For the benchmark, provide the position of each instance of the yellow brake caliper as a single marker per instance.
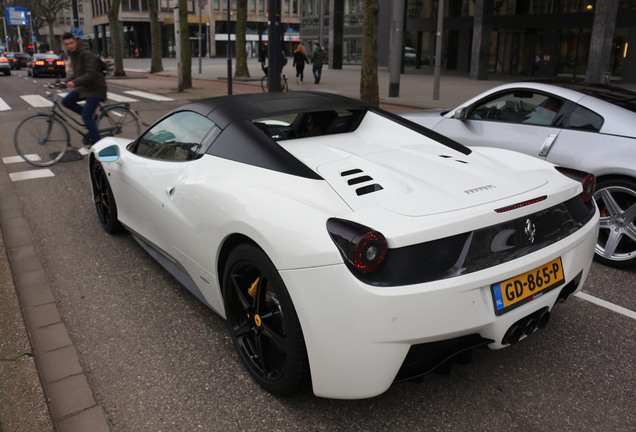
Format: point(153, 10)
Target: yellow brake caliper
point(252, 292)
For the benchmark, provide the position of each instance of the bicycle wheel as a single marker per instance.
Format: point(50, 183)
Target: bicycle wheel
point(41, 140)
point(119, 121)
point(283, 84)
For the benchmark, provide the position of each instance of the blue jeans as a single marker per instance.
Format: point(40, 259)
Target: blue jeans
point(87, 112)
point(317, 73)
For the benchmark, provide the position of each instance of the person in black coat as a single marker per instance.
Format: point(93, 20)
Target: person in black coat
point(300, 59)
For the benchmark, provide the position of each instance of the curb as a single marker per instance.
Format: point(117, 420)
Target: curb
point(71, 402)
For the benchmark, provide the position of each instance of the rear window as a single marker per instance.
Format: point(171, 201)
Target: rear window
point(306, 124)
point(619, 96)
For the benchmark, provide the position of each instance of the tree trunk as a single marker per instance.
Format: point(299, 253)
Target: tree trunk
point(52, 41)
point(241, 53)
point(116, 38)
point(155, 38)
point(369, 89)
point(186, 53)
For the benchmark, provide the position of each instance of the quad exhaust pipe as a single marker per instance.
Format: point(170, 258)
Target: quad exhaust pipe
point(527, 325)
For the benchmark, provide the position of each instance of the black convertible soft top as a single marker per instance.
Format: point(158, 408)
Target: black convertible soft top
point(224, 110)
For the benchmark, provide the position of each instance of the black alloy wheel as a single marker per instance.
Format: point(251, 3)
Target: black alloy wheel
point(263, 322)
point(104, 199)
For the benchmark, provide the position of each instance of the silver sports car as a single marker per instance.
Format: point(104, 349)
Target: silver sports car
point(583, 126)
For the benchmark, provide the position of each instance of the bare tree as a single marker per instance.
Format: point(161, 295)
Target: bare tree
point(48, 11)
point(241, 53)
point(186, 53)
point(155, 38)
point(369, 88)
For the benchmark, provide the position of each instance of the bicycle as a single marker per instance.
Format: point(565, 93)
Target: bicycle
point(43, 139)
point(283, 83)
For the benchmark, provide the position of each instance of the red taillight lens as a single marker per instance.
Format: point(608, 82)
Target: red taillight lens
point(60, 62)
point(39, 63)
point(588, 181)
point(3, 60)
point(362, 248)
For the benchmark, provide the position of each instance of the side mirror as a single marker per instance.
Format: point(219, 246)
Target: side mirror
point(108, 154)
point(460, 114)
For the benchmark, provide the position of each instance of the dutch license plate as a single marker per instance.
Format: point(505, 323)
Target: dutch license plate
point(51, 68)
point(526, 287)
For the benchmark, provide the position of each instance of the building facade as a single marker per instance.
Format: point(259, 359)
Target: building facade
point(208, 21)
point(538, 38)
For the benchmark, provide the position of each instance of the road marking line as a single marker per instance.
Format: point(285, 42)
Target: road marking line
point(4, 106)
point(120, 98)
point(611, 306)
point(32, 174)
point(37, 101)
point(12, 159)
point(148, 95)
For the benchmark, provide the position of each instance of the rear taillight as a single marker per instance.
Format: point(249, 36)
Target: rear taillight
point(587, 180)
point(60, 62)
point(40, 63)
point(362, 248)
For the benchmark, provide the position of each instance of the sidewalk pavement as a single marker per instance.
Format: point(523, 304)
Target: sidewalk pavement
point(416, 87)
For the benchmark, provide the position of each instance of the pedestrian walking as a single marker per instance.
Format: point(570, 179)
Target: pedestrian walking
point(300, 58)
point(317, 59)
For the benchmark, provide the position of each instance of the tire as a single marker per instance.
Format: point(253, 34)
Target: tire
point(616, 244)
point(7, 73)
point(41, 140)
point(104, 199)
point(119, 121)
point(265, 85)
point(263, 322)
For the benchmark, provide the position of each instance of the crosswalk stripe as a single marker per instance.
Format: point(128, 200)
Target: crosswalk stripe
point(12, 159)
point(150, 96)
point(4, 106)
point(31, 174)
point(37, 101)
point(120, 98)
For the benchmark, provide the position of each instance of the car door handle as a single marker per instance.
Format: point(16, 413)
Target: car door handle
point(170, 191)
point(547, 144)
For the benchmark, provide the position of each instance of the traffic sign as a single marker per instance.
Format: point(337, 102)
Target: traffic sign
point(17, 16)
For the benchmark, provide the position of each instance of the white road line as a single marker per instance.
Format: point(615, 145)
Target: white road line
point(37, 101)
point(12, 159)
point(32, 174)
point(4, 106)
point(148, 95)
point(120, 98)
point(611, 306)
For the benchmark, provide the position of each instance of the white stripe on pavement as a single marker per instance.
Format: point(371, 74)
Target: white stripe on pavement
point(120, 98)
point(4, 106)
point(148, 95)
point(12, 159)
point(37, 101)
point(32, 174)
point(611, 306)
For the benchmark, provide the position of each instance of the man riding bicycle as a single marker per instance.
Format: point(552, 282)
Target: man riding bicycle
point(87, 83)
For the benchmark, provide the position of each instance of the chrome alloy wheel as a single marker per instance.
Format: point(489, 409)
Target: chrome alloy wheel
point(616, 245)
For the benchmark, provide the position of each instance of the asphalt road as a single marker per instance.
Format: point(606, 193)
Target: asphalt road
point(157, 360)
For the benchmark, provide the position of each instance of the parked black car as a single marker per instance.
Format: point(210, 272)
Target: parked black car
point(18, 60)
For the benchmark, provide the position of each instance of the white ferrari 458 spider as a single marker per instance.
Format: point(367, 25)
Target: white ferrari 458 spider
point(347, 248)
